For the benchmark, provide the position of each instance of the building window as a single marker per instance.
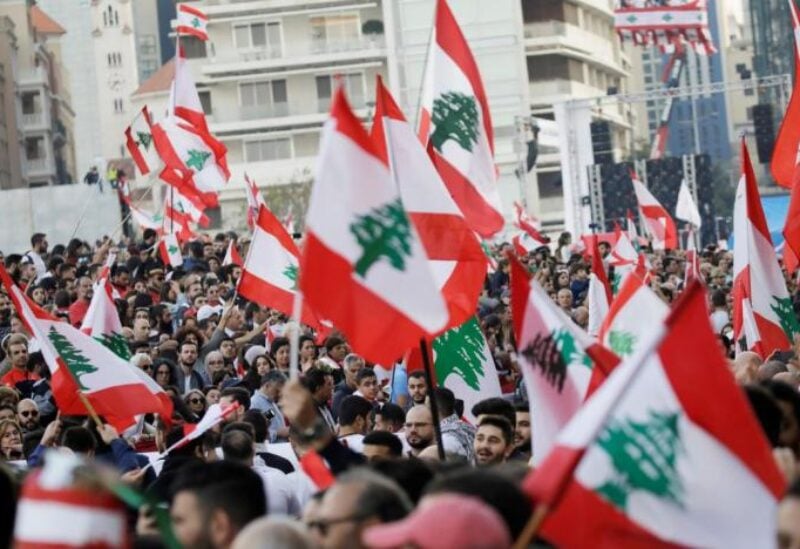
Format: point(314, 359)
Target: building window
point(148, 67)
point(118, 106)
point(268, 149)
point(110, 17)
point(264, 99)
point(193, 47)
point(34, 148)
point(148, 45)
point(114, 59)
point(353, 86)
point(264, 36)
point(205, 100)
point(334, 31)
point(554, 67)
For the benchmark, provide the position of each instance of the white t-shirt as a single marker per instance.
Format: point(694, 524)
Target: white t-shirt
point(280, 492)
point(719, 319)
point(355, 442)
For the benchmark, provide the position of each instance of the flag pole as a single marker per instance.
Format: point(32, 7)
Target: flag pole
point(90, 410)
point(531, 527)
point(437, 428)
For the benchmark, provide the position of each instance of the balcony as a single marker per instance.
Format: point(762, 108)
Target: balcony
point(310, 52)
point(39, 166)
point(33, 77)
point(32, 120)
point(558, 37)
point(279, 115)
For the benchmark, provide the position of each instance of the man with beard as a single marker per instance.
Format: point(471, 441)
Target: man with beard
point(522, 434)
point(78, 309)
point(417, 389)
point(494, 441)
point(419, 429)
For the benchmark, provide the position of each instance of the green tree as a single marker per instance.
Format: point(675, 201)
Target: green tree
point(197, 159)
point(783, 308)
point(116, 343)
point(644, 456)
point(383, 233)
point(621, 342)
point(76, 363)
point(291, 272)
point(460, 351)
point(455, 116)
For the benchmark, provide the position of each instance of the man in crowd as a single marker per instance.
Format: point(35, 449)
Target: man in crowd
point(457, 436)
point(320, 383)
point(78, 309)
point(367, 384)
point(354, 415)
point(188, 377)
point(419, 429)
point(380, 445)
point(494, 441)
point(37, 253)
point(352, 365)
point(522, 433)
point(266, 399)
point(417, 389)
point(17, 346)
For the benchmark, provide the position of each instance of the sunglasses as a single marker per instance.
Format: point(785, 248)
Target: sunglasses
point(195, 400)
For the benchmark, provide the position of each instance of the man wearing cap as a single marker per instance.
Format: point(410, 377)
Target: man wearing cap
point(78, 309)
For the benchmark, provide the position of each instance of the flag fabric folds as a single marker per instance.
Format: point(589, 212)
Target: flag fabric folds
point(363, 266)
point(660, 225)
point(191, 22)
point(139, 142)
point(599, 298)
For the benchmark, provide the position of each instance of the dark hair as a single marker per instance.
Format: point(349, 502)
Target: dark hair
point(363, 374)
point(184, 343)
point(257, 420)
point(353, 407)
point(237, 444)
point(498, 492)
point(496, 406)
point(522, 407)
point(238, 394)
point(314, 378)
point(767, 412)
point(785, 393)
point(276, 344)
point(78, 439)
point(387, 439)
point(274, 376)
point(392, 413)
point(333, 341)
point(233, 488)
point(502, 424)
point(36, 238)
point(445, 401)
point(412, 475)
point(417, 374)
point(380, 496)
point(719, 298)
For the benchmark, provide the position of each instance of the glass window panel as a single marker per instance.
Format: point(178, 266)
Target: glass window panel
point(242, 36)
point(279, 94)
point(259, 34)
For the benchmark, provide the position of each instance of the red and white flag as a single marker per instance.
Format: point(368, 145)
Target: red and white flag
point(184, 96)
point(146, 220)
point(660, 225)
point(192, 157)
point(191, 22)
point(651, 461)
point(692, 270)
point(785, 153)
point(526, 223)
point(363, 266)
point(139, 142)
point(758, 284)
point(55, 511)
point(456, 125)
point(176, 221)
point(599, 297)
point(254, 201)
point(215, 414)
point(288, 220)
point(686, 208)
point(560, 363)
point(623, 258)
point(232, 256)
point(524, 243)
point(455, 255)
point(271, 271)
point(170, 250)
point(635, 312)
point(80, 365)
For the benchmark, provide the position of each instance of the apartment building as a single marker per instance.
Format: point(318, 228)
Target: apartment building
point(266, 77)
point(11, 176)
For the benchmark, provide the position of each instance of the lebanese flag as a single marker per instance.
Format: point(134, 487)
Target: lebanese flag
point(758, 283)
point(184, 95)
point(659, 223)
point(455, 255)
point(363, 266)
point(634, 314)
point(146, 220)
point(785, 154)
point(271, 270)
point(191, 22)
point(232, 256)
point(692, 270)
point(526, 223)
point(560, 363)
point(56, 512)
point(193, 157)
point(599, 291)
point(651, 461)
point(524, 244)
point(623, 258)
point(254, 201)
point(170, 250)
point(455, 121)
point(139, 142)
point(215, 415)
point(633, 233)
point(176, 222)
point(81, 365)
point(183, 197)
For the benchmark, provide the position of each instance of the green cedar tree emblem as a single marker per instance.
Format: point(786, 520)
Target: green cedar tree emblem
point(783, 308)
point(291, 273)
point(455, 116)
point(460, 351)
point(196, 23)
point(643, 455)
point(553, 354)
point(116, 343)
point(383, 233)
point(76, 363)
point(197, 159)
point(144, 139)
point(621, 342)
point(616, 279)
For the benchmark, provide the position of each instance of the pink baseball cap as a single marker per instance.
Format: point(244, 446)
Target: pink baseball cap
point(443, 521)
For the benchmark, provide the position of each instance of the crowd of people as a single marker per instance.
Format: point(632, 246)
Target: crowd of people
point(389, 484)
